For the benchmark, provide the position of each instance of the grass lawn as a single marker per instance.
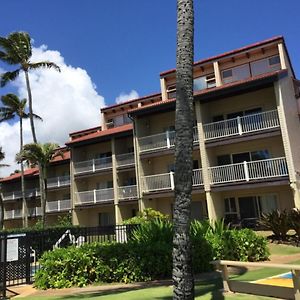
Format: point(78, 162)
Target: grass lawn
point(205, 290)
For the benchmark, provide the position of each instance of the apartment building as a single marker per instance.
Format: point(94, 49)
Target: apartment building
point(58, 195)
point(246, 145)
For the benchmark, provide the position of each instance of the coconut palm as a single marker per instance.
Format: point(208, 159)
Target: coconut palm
point(14, 107)
point(182, 255)
point(2, 156)
point(40, 155)
point(16, 49)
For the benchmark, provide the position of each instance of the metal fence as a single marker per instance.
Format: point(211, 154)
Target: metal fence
point(20, 252)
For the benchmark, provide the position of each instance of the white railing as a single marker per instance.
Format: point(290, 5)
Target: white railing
point(241, 125)
point(165, 181)
point(59, 205)
point(127, 192)
point(58, 181)
point(34, 211)
point(12, 214)
point(247, 171)
point(164, 140)
point(93, 165)
point(94, 196)
point(12, 195)
point(126, 159)
point(32, 193)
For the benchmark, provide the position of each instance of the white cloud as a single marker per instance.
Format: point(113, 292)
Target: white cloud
point(67, 101)
point(133, 94)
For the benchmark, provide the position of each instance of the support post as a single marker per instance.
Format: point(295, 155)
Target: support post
point(246, 170)
point(172, 180)
point(240, 129)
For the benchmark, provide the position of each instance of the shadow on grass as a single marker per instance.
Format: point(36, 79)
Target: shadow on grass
point(212, 287)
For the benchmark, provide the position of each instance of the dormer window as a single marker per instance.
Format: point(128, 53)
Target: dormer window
point(265, 65)
point(171, 91)
point(236, 73)
point(204, 82)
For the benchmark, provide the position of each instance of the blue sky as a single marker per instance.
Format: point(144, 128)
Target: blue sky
point(125, 44)
point(110, 48)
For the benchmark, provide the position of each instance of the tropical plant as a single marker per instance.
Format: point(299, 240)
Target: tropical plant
point(294, 221)
point(278, 222)
point(40, 155)
point(14, 107)
point(182, 250)
point(146, 215)
point(16, 49)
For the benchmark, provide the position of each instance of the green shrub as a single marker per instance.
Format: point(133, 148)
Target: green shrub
point(278, 222)
point(147, 215)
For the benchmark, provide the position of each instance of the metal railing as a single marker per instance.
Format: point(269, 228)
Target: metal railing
point(34, 211)
point(126, 159)
point(94, 196)
point(32, 193)
point(93, 165)
point(164, 140)
point(160, 182)
point(12, 214)
point(127, 192)
point(59, 205)
point(18, 194)
point(241, 125)
point(58, 181)
point(247, 171)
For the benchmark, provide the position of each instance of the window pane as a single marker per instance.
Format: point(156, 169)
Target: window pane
point(235, 115)
point(253, 111)
point(237, 73)
point(196, 210)
point(224, 160)
point(268, 203)
point(200, 83)
point(240, 157)
point(227, 73)
point(259, 155)
point(274, 60)
point(265, 65)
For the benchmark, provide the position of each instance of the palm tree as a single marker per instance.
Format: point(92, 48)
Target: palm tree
point(182, 254)
point(16, 50)
point(40, 155)
point(2, 156)
point(14, 107)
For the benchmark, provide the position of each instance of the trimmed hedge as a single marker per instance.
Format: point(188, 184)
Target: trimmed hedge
point(147, 256)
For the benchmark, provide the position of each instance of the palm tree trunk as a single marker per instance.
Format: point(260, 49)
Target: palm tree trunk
point(24, 203)
point(43, 194)
point(1, 211)
point(182, 254)
point(30, 106)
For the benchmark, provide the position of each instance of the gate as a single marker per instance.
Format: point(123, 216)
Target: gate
point(15, 263)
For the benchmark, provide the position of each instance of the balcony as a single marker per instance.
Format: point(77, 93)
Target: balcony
point(94, 196)
point(161, 141)
point(127, 192)
point(57, 206)
point(34, 211)
point(249, 171)
point(15, 195)
point(12, 214)
point(125, 160)
point(241, 125)
point(165, 182)
point(60, 181)
point(93, 165)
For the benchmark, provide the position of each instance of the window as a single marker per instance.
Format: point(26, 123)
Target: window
point(236, 114)
point(235, 158)
point(104, 185)
point(204, 82)
point(195, 164)
point(259, 155)
point(105, 219)
point(236, 73)
point(224, 160)
point(265, 65)
point(231, 215)
point(67, 196)
point(171, 91)
point(267, 203)
point(171, 168)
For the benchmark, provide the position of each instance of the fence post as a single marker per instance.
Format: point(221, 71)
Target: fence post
point(3, 259)
point(240, 129)
point(28, 259)
point(246, 170)
point(172, 180)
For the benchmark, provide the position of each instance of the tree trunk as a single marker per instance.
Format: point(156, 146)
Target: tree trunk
point(42, 193)
point(182, 254)
point(30, 107)
point(24, 203)
point(1, 211)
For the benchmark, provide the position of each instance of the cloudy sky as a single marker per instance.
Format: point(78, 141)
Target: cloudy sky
point(67, 101)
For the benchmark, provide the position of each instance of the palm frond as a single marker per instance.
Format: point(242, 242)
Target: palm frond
point(43, 64)
point(9, 56)
point(20, 46)
point(35, 116)
point(8, 76)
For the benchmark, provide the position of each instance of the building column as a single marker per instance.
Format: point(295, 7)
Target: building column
point(215, 206)
point(163, 88)
point(118, 217)
point(217, 74)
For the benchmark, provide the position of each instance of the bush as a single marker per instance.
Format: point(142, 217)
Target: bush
point(147, 215)
point(147, 255)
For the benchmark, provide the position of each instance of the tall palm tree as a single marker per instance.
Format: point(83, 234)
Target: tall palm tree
point(2, 156)
point(16, 49)
point(14, 107)
point(40, 155)
point(182, 254)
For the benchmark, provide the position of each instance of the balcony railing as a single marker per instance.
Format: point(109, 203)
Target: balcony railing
point(126, 159)
point(161, 182)
point(12, 214)
point(161, 141)
point(247, 171)
point(241, 125)
point(127, 192)
point(18, 194)
point(59, 205)
point(58, 181)
point(95, 196)
point(34, 211)
point(93, 165)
